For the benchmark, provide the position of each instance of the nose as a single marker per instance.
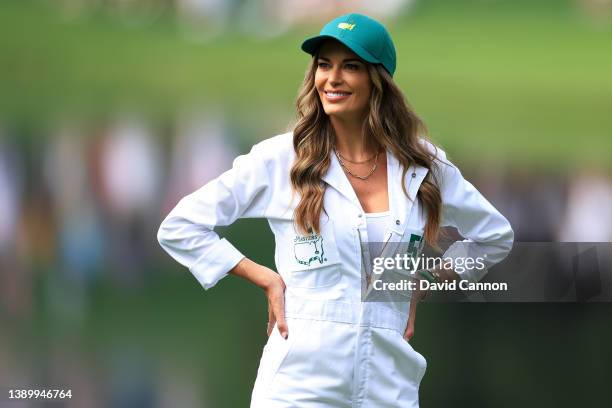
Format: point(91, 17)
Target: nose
point(335, 76)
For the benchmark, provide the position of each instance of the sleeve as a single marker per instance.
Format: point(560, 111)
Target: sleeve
point(187, 233)
point(488, 234)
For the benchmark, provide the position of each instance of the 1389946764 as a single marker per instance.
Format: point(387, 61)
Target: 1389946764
point(38, 393)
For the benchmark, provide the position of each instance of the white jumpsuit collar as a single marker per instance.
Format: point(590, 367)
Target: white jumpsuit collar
point(336, 178)
point(399, 205)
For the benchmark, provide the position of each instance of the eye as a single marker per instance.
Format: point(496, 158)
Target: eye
point(352, 67)
point(322, 64)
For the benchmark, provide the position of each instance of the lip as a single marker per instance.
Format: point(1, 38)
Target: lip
point(336, 98)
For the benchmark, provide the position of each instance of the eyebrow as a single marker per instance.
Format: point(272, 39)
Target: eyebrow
point(344, 60)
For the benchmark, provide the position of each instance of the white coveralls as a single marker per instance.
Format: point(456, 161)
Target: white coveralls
point(340, 352)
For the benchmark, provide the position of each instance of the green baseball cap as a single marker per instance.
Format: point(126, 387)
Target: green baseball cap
point(363, 35)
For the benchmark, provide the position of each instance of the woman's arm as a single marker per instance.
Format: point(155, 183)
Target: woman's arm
point(488, 234)
point(187, 233)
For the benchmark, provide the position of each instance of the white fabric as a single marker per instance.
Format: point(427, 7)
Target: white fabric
point(341, 352)
point(377, 226)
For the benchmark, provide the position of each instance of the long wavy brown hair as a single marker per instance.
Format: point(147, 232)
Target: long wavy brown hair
point(390, 123)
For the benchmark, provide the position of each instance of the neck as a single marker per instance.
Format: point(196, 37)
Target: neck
point(350, 140)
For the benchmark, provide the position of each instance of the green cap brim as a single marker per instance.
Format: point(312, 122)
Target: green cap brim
point(311, 45)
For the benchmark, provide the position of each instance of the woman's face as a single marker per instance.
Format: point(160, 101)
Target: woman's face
point(342, 81)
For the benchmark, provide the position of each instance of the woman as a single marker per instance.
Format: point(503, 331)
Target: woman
point(356, 170)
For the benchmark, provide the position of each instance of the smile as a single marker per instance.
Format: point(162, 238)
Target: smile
point(336, 96)
point(337, 93)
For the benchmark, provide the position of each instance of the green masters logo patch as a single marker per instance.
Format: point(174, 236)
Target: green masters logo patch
point(308, 249)
point(346, 26)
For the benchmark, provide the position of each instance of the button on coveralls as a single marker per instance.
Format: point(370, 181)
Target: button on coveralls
point(341, 352)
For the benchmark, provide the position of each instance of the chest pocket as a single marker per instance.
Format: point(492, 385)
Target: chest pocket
point(312, 260)
point(409, 249)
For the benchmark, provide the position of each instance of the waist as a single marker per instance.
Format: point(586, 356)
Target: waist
point(374, 314)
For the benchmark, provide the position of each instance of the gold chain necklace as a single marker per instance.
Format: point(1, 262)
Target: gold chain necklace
point(356, 175)
point(356, 162)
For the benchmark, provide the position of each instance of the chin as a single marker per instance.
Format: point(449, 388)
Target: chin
point(334, 111)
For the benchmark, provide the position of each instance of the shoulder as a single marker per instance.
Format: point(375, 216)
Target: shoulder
point(279, 142)
point(445, 172)
point(276, 147)
point(437, 153)
point(276, 153)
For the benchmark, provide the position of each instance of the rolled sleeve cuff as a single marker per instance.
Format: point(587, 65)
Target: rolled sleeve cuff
point(459, 252)
point(215, 264)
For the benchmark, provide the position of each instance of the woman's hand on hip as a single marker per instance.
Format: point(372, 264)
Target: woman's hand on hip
point(418, 294)
point(409, 332)
point(274, 287)
point(439, 275)
point(275, 292)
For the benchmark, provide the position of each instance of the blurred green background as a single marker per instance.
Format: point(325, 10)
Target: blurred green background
point(110, 111)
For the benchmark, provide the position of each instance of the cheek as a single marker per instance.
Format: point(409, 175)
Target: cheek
point(364, 96)
point(319, 81)
point(363, 88)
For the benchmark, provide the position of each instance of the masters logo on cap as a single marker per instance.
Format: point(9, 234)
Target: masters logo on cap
point(346, 26)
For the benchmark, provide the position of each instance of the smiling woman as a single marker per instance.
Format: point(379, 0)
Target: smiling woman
point(343, 82)
point(344, 86)
point(356, 170)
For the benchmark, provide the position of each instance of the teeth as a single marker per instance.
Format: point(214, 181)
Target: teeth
point(337, 94)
